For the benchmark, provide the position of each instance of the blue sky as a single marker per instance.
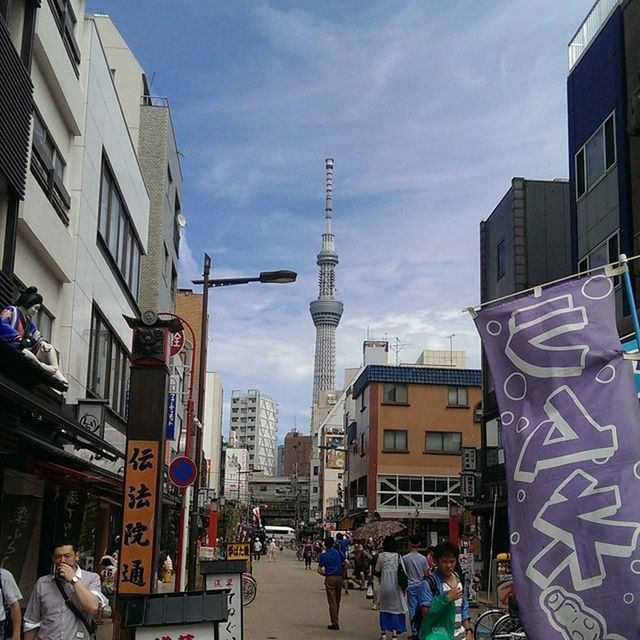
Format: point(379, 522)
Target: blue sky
point(429, 108)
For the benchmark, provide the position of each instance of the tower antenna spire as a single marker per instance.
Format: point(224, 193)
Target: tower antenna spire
point(326, 311)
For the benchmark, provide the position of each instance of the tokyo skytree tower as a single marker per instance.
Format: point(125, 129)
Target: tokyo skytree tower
point(326, 311)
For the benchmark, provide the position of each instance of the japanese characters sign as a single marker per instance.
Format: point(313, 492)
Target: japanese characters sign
point(233, 628)
point(238, 551)
point(136, 561)
point(571, 432)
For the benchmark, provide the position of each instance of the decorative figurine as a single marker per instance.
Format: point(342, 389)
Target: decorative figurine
point(19, 330)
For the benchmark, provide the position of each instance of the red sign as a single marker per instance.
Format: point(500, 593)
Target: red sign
point(177, 343)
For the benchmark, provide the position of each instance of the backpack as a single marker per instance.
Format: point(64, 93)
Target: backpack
point(417, 616)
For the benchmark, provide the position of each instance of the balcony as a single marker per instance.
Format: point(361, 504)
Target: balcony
point(590, 28)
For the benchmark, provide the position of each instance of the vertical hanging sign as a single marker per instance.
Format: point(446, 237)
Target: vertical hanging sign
point(138, 531)
point(571, 433)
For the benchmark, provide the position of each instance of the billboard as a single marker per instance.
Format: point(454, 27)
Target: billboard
point(334, 451)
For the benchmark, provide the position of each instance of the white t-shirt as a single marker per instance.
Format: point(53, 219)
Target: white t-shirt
point(10, 592)
point(459, 632)
point(257, 545)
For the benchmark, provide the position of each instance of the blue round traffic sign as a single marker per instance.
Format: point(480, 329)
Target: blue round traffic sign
point(182, 471)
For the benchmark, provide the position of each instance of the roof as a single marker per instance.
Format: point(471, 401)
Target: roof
point(416, 375)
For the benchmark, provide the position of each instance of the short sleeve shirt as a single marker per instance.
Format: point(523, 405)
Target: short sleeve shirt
point(416, 566)
point(332, 561)
point(10, 592)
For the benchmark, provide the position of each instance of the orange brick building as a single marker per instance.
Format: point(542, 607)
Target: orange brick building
point(404, 443)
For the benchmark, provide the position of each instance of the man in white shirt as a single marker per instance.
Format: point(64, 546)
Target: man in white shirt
point(10, 597)
point(257, 549)
point(48, 617)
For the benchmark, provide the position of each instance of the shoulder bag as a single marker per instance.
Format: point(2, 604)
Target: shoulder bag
point(89, 624)
point(403, 580)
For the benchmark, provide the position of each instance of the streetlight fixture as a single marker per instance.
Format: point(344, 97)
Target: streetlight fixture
point(265, 277)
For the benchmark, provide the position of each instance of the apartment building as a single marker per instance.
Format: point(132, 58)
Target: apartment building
point(404, 439)
point(254, 425)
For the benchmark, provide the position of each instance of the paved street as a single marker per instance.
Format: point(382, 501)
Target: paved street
point(291, 604)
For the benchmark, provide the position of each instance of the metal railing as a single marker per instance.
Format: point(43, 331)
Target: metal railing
point(590, 28)
point(155, 101)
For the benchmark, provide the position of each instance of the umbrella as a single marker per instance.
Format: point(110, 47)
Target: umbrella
point(378, 529)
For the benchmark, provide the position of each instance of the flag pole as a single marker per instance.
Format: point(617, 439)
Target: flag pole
point(626, 278)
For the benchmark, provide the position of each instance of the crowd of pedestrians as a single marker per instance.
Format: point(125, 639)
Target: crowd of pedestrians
point(420, 593)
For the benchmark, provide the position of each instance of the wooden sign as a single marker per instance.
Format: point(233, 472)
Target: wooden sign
point(138, 531)
point(238, 550)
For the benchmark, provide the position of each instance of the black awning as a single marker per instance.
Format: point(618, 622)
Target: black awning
point(68, 429)
point(486, 508)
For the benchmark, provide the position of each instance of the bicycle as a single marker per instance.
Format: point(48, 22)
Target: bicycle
point(485, 622)
point(509, 626)
point(249, 589)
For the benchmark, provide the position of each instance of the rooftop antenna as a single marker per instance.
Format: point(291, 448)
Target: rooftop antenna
point(450, 339)
point(397, 347)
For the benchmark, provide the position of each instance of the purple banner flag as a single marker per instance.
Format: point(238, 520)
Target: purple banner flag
point(571, 434)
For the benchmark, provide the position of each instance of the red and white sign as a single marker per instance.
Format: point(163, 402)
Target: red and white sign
point(177, 343)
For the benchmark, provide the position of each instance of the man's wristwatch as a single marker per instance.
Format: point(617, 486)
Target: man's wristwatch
point(74, 580)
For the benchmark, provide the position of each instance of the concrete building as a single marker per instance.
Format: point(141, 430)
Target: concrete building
point(254, 425)
point(212, 434)
point(297, 454)
point(236, 474)
point(526, 241)
point(287, 499)
point(603, 99)
point(280, 461)
point(404, 438)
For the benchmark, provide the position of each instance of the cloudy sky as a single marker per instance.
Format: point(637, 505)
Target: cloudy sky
point(429, 108)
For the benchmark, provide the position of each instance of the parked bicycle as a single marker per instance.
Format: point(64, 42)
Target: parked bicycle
point(496, 624)
point(249, 589)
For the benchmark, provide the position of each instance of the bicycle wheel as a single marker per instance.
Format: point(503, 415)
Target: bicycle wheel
point(249, 589)
point(484, 623)
point(505, 626)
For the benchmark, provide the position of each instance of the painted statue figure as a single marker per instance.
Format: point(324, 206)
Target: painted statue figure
point(17, 327)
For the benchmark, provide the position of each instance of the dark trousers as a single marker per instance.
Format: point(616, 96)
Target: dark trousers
point(333, 587)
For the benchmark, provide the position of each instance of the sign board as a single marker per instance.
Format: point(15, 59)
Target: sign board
point(171, 416)
point(238, 551)
point(468, 486)
point(138, 530)
point(190, 631)
point(334, 451)
point(469, 459)
point(232, 584)
point(182, 471)
point(177, 343)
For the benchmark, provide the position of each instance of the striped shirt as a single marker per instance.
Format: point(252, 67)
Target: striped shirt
point(459, 632)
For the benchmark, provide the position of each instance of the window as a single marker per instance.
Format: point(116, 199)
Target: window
point(457, 397)
point(605, 253)
point(66, 21)
point(443, 441)
point(596, 157)
point(117, 233)
point(394, 440)
point(501, 259)
point(109, 364)
point(47, 166)
point(395, 394)
point(363, 443)
point(430, 494)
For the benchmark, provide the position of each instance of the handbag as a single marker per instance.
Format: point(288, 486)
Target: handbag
point(403, 580)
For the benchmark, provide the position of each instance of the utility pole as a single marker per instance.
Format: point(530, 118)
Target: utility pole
point(450, 339)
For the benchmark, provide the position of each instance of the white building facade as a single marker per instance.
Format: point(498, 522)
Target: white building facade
point(254, 425)
point(212, 435)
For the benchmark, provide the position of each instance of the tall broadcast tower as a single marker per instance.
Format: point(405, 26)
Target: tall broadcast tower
point(326, 311)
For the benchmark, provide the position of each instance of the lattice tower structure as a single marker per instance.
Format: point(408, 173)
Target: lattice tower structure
point(326, 311)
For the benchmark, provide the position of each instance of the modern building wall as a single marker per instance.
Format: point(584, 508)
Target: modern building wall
point(189, 307)
point(212, 436)
point(297, 454)
point(254, 425)
point(236, 474)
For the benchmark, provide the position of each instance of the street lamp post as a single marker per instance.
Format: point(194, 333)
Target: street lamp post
point(265, 277)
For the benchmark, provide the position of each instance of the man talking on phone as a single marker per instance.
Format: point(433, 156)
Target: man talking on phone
point(67, 603)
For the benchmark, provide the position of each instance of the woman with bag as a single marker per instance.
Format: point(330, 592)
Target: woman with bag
point(393, 607)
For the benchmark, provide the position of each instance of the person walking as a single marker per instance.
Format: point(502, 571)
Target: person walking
point(343, 543)
point(67, 603)
point(271, 551)
point(332, 564)
point(449, 585)
point(257, 549)
point(417, 568)
point(10, 597)
point(392, 605)
point(108, 576)
point(361, 566)
point(307, 553)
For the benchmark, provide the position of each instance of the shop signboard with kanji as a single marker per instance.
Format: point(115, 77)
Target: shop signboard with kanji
point(138, 531)
point(238, 551)
point(231, 583)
